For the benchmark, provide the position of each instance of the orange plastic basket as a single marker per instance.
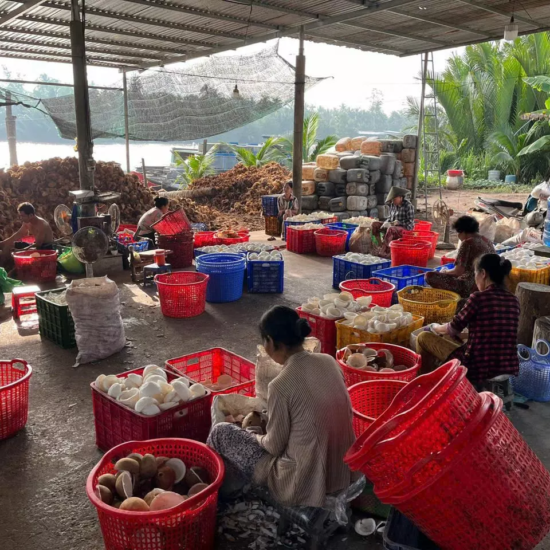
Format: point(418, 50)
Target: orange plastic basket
point(401, 355)
point(190, 525)
point(15, 376)
point(435, 305)
point(404, 252)
point(370, 399)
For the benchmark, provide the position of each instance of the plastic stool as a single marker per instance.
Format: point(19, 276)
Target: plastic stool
point(149, 272)
point(502, 386)
point(23, 300)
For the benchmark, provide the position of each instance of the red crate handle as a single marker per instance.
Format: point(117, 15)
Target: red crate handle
point(25, 377)
point(131, 446)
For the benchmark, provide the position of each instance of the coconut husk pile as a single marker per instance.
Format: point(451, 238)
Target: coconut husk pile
point(234, 199)
point(47, 183)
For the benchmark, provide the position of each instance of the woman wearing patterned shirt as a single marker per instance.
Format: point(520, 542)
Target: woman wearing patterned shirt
point(287, 203)
point(401, 218)
point(309, 430)
point(492, 317)
point(461, 279)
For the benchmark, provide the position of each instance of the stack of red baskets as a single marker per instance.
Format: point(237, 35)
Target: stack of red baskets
point(300, 241)
point(422, 236)
point(449, 459)
point(175, 234)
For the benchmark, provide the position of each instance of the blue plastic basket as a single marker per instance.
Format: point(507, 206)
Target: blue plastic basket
point(447, 266)
point(404, 275)
point(265, 276)
point(269, 205)
point(502, 250)
point(226, 276)
point(342, 270)
point(533, 380)
point(349, 227)
point(201, 252)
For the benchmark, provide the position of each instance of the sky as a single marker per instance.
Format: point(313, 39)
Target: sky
point(355, 74)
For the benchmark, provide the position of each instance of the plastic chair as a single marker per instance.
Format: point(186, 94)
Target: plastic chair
point(502, 386)
point(23, 300)
point(318, 523)
point(149, 272)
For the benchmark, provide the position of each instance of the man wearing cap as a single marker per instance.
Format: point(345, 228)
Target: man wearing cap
point(401, 218)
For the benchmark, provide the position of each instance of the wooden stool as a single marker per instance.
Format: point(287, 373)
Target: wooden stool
point(138, 260)
point(149, 272)
point(23, 300)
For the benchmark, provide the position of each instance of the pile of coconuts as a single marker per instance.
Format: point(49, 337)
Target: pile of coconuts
point(145, 483)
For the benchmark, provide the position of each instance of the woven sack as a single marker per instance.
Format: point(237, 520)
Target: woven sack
point(410, 141)
point(337, 176)
point(343, 144)
point(320, 174)
point(408, 169)
point(408, 155)
point(356, 143)
point(359, 175)
point(308, 171)
point(330, 162)
point(370, 148)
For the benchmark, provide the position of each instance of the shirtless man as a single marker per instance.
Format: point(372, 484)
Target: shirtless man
point(32, 226)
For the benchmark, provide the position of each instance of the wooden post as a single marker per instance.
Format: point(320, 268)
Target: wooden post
point(204, 146)
point(126, 125)
point(11, 131)
point(86, 165)
point(420, 123)
point(144, 172)
point(299, 108)
point(534, 302)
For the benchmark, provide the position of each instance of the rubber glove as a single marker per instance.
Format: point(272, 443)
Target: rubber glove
point(386, 225)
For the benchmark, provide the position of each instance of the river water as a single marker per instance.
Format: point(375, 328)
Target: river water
point(155, 154)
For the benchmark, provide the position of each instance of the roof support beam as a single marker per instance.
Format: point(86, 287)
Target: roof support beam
point(50, 53)
point(93, 40)
point(14, 14)
point(498, 11)
point(440, 23)
point(39, 57)
point(139, 55)
point(119, 16)
point(275, 7)
point(133, 34)
point(354, 44)
point(202, 13)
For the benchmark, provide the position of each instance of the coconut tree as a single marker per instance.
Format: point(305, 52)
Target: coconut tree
point(194, 168)
point(270, 151)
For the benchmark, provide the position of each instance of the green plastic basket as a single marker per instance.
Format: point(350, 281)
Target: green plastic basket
point(55, 321)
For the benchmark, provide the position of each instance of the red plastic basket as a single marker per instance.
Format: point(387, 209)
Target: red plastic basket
point(127, 227)
point(426, 417)
point(116, 423)
point(370, 399)
point(172, 223)
point(300, 241)
point(410, 253)
point(182, 249)
point(490, 479)
point(182, 294)
point(401, 356)
point(330, 242)
point(323, 329)
point(210, 364)
point(29, 240)
point(445, 260)
point(244, 237)
point(190, 525)
point(14, 396)
point(421, 225)
point(419, 236)
point(37, 269)
point(204, 238)
point(381, 291)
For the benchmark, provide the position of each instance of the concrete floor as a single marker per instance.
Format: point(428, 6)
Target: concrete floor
point(43, 469)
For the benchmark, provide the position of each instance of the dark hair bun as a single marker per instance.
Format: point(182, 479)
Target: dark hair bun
point(505, 266)
point(302, 328)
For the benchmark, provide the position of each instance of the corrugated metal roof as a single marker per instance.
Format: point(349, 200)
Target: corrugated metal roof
point(143, 33)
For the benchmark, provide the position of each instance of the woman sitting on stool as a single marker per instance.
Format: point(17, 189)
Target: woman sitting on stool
point(461, 279)
point(492, 317)
point(309, 428)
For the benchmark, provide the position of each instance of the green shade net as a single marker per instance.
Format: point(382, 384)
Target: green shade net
point(194, 101)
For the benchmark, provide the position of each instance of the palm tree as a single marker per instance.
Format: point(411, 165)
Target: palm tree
point(194, 167)
point(270, 151)
point(311, 146)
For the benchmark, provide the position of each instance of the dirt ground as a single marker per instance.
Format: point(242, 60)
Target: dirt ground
point(43, 469)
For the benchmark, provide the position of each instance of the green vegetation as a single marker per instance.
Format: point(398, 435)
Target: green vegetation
point(194, 167)
point(270, 151)
point(482, 93)
point(496, 186)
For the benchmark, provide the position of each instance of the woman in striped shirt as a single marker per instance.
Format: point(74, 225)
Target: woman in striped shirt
point(309, 429)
